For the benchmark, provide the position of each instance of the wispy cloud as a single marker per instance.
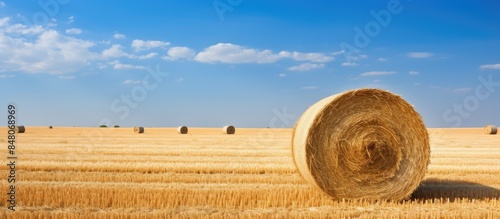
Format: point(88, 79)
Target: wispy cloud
point(419, 55)
point(381, 59)
point(71, 19)
point(120, 66)
point(140, 45)
point(67, 77)
point(129, 81)
point(179, 79)
point(282, 75)
point(114, 51)
point(309, 87)
point(75, 31)
point(7, 76)
point(377, 73)
point(312, 57)
point(350, 64)
point(306, 67)
point(490, 66)
point(2, 4)
point(119, 36)
point(413, 72)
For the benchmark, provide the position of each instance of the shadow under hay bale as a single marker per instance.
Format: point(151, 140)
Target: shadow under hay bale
point(228, 129)
point(453, 190)
point(139, 129)
point(20, 129)
point(182, 130)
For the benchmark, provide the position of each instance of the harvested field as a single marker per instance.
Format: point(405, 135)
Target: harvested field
point(104, 173)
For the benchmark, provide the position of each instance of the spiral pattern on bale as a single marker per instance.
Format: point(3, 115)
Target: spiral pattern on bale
point(490, 130)
point(362, 144)
point(228, 129)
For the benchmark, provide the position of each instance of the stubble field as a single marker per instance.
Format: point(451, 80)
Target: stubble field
point(115, 173)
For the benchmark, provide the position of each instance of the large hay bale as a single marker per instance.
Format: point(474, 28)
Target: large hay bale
point(490, 130)
point(50, 127)
point(139, 129)
point(20, 129)
point(182, 130)
point(365, 143)
point(228, 129)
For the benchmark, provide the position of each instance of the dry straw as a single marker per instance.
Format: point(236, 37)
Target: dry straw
point(182, 130)
point(228, 129)
point(365, 143)
point(20, 129)
point(490, 130)
point(139, 129)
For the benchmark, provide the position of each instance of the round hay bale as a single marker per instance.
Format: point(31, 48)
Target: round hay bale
point(50, 127)
point(366, 143)
point(182, 130)
point(20, 129)
point(228, 129)
point(490, 130)
point(139, 129)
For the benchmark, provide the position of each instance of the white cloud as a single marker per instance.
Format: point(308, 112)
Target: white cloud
point(419, 55)
point(4, 21)
point(67, 77)
point(306, 67)
point(129, 81)
point(309, 88)
point(114, 51)
point(140, 45)
point(376, 81)
point(74, 31)
point(7, 76)
point(23, 29)
point(120, 66)
point(179, 52)
point(71, 19)
point(179, 79)
point(413, 72)
point(417, 83)
point(490, 66)
point(312, 57)
point(119, 36)
point(230, 53)
point(46, 52)
point(349, 64)
point(381, 59)
point(377, 73)
point(147, 56)
point(282, 75)
point(2, 4)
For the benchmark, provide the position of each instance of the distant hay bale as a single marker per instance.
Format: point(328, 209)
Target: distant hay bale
point(20, 129)
point(228, 129)
point(365, 143)
point(139, 129)
point(182, 130)
point(490, 130)
point(50, 127)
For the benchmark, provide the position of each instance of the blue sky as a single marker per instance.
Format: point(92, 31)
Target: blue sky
point(246, 63)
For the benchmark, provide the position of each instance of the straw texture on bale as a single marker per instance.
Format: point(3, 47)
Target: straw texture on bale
point(365, 143)
point(228, 129)
point(139, 129)
point(20, 129)
point(490, 130)
point(182, 130)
